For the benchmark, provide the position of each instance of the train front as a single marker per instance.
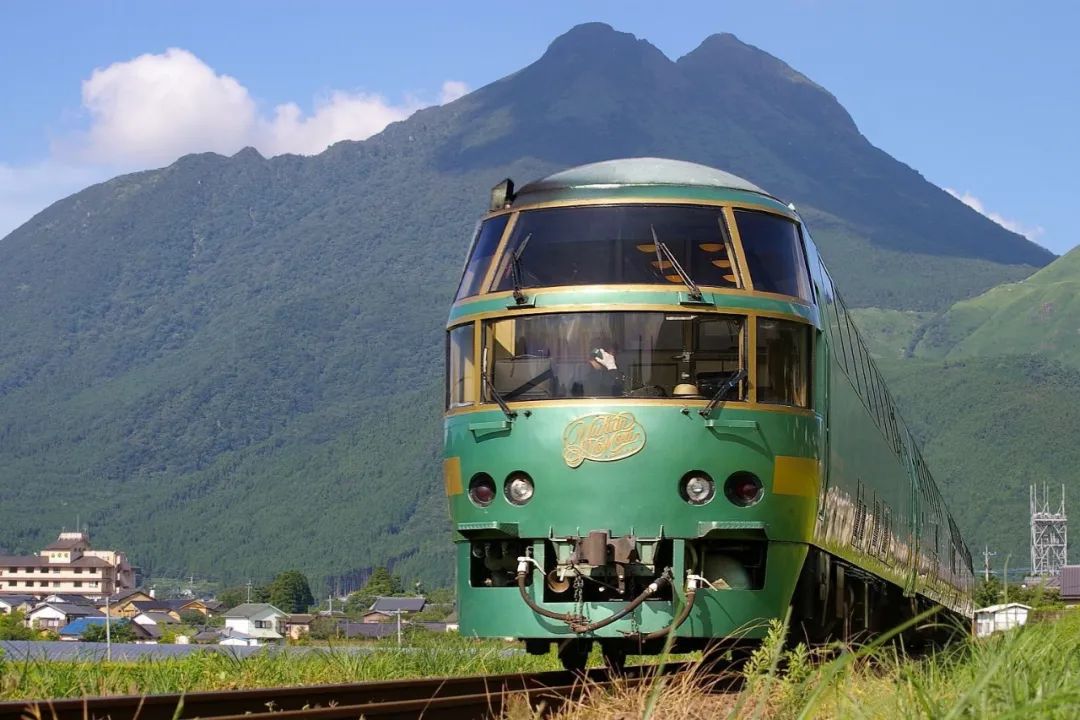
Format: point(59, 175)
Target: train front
point(631, 445)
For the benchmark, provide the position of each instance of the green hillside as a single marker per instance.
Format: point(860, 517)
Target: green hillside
point(1038, 315)
point(232, 366)
point(990, 427)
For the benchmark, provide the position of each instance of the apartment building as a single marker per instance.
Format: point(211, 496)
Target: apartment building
point(68, 565)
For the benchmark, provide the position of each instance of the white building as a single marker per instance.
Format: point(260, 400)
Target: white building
point(67, 565)
point(253, 624)
point(54, 615)
point(997, 618)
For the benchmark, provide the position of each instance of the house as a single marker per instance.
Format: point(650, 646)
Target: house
point(158, 619)
point(74, 630)
point(206, 636)
point(253, 624)
point(372, 616)
point(16, 603)
point(54, 615)
point(297, 625)
point(208, 608)
point(1070, 584)
point(137, 607)
point(68, 565)
point(120, 598)
point(70, 599)
point(996, 618)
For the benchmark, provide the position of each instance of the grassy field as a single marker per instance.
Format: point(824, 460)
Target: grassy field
point(427, 655)
point(1031, 672)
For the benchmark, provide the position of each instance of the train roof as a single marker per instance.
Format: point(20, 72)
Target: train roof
point(644, 171)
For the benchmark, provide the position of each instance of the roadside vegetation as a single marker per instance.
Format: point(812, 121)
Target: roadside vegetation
point(1029, 672)
point(427, 654)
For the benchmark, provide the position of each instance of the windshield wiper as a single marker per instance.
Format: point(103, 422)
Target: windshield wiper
point(515, 271)
point(510, 414)
point(730, 384)
point(663, 250)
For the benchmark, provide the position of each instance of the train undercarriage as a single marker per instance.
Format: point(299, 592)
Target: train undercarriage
point(641, 596)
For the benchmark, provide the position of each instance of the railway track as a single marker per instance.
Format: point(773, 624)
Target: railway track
point(455, 698)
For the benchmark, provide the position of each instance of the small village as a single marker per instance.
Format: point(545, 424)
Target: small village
point(72, 592)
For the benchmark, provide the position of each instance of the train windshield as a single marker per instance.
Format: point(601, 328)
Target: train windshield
point(614, 354)
point(616, 244)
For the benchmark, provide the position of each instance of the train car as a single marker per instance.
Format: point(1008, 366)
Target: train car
point(662, 426)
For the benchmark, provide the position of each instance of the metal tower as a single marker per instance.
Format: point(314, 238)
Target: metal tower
point(1049, 535)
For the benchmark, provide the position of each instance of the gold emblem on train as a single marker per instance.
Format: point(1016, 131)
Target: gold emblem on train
point(602, 437)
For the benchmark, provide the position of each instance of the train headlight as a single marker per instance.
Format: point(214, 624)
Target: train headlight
point(481, 489)
point(518, 488)
point(697, 488)
point(743, 489)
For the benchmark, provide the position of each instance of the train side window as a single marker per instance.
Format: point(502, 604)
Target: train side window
point(460, 367)
point(783, 362)
point(486, 242)
point(831, 318)
point(774, 253)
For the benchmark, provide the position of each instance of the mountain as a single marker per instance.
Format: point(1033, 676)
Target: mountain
point(1037, 315)
point(232, 366)
point(990, 386)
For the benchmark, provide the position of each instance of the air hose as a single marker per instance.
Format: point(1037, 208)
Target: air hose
point(684, 612)
point(652, 589)
point(522, 574)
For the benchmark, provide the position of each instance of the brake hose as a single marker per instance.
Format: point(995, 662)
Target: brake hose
point(653, 587)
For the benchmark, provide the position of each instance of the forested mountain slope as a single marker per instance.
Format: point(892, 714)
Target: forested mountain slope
point(231, 366)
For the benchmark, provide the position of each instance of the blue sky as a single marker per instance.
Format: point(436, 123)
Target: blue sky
point(980, 97)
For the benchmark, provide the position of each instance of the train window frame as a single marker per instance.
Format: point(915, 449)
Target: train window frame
point(479, 277)
point(468, 376)
point(839, 350)
point(756, 261)
point(803, 395)
point(500, 278)
point(549, 382)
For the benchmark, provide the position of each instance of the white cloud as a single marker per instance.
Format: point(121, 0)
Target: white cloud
point(452, 90)
point(150, 110)
point(1031, 232)
point(343, 116)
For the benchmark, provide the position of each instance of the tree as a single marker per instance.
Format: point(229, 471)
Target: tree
point(120, 631)
point(13, 627)
point(380, 584)
point(988, 592)
point(193, 618)
point(324, 628)
point(290, 592)
point(231, 597)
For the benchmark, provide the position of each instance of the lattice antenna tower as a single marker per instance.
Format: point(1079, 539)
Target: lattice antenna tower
point(1049, 535)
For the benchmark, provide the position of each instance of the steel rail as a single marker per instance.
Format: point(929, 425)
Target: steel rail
point(453, 697)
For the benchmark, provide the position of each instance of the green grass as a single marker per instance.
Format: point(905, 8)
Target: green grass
point(1030, 672)
point(427, 655)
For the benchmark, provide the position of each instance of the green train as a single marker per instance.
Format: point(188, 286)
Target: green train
point(662, 426)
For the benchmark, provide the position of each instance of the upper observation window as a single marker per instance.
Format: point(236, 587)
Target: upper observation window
point(617, 244)
point(613, 354)
point(483, 249)
point(783, 362)
point(774, 253)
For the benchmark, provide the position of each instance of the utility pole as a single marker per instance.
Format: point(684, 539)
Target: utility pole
point(986, 562)
point(249, 591)
point(108, 631)
point(330, 598)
